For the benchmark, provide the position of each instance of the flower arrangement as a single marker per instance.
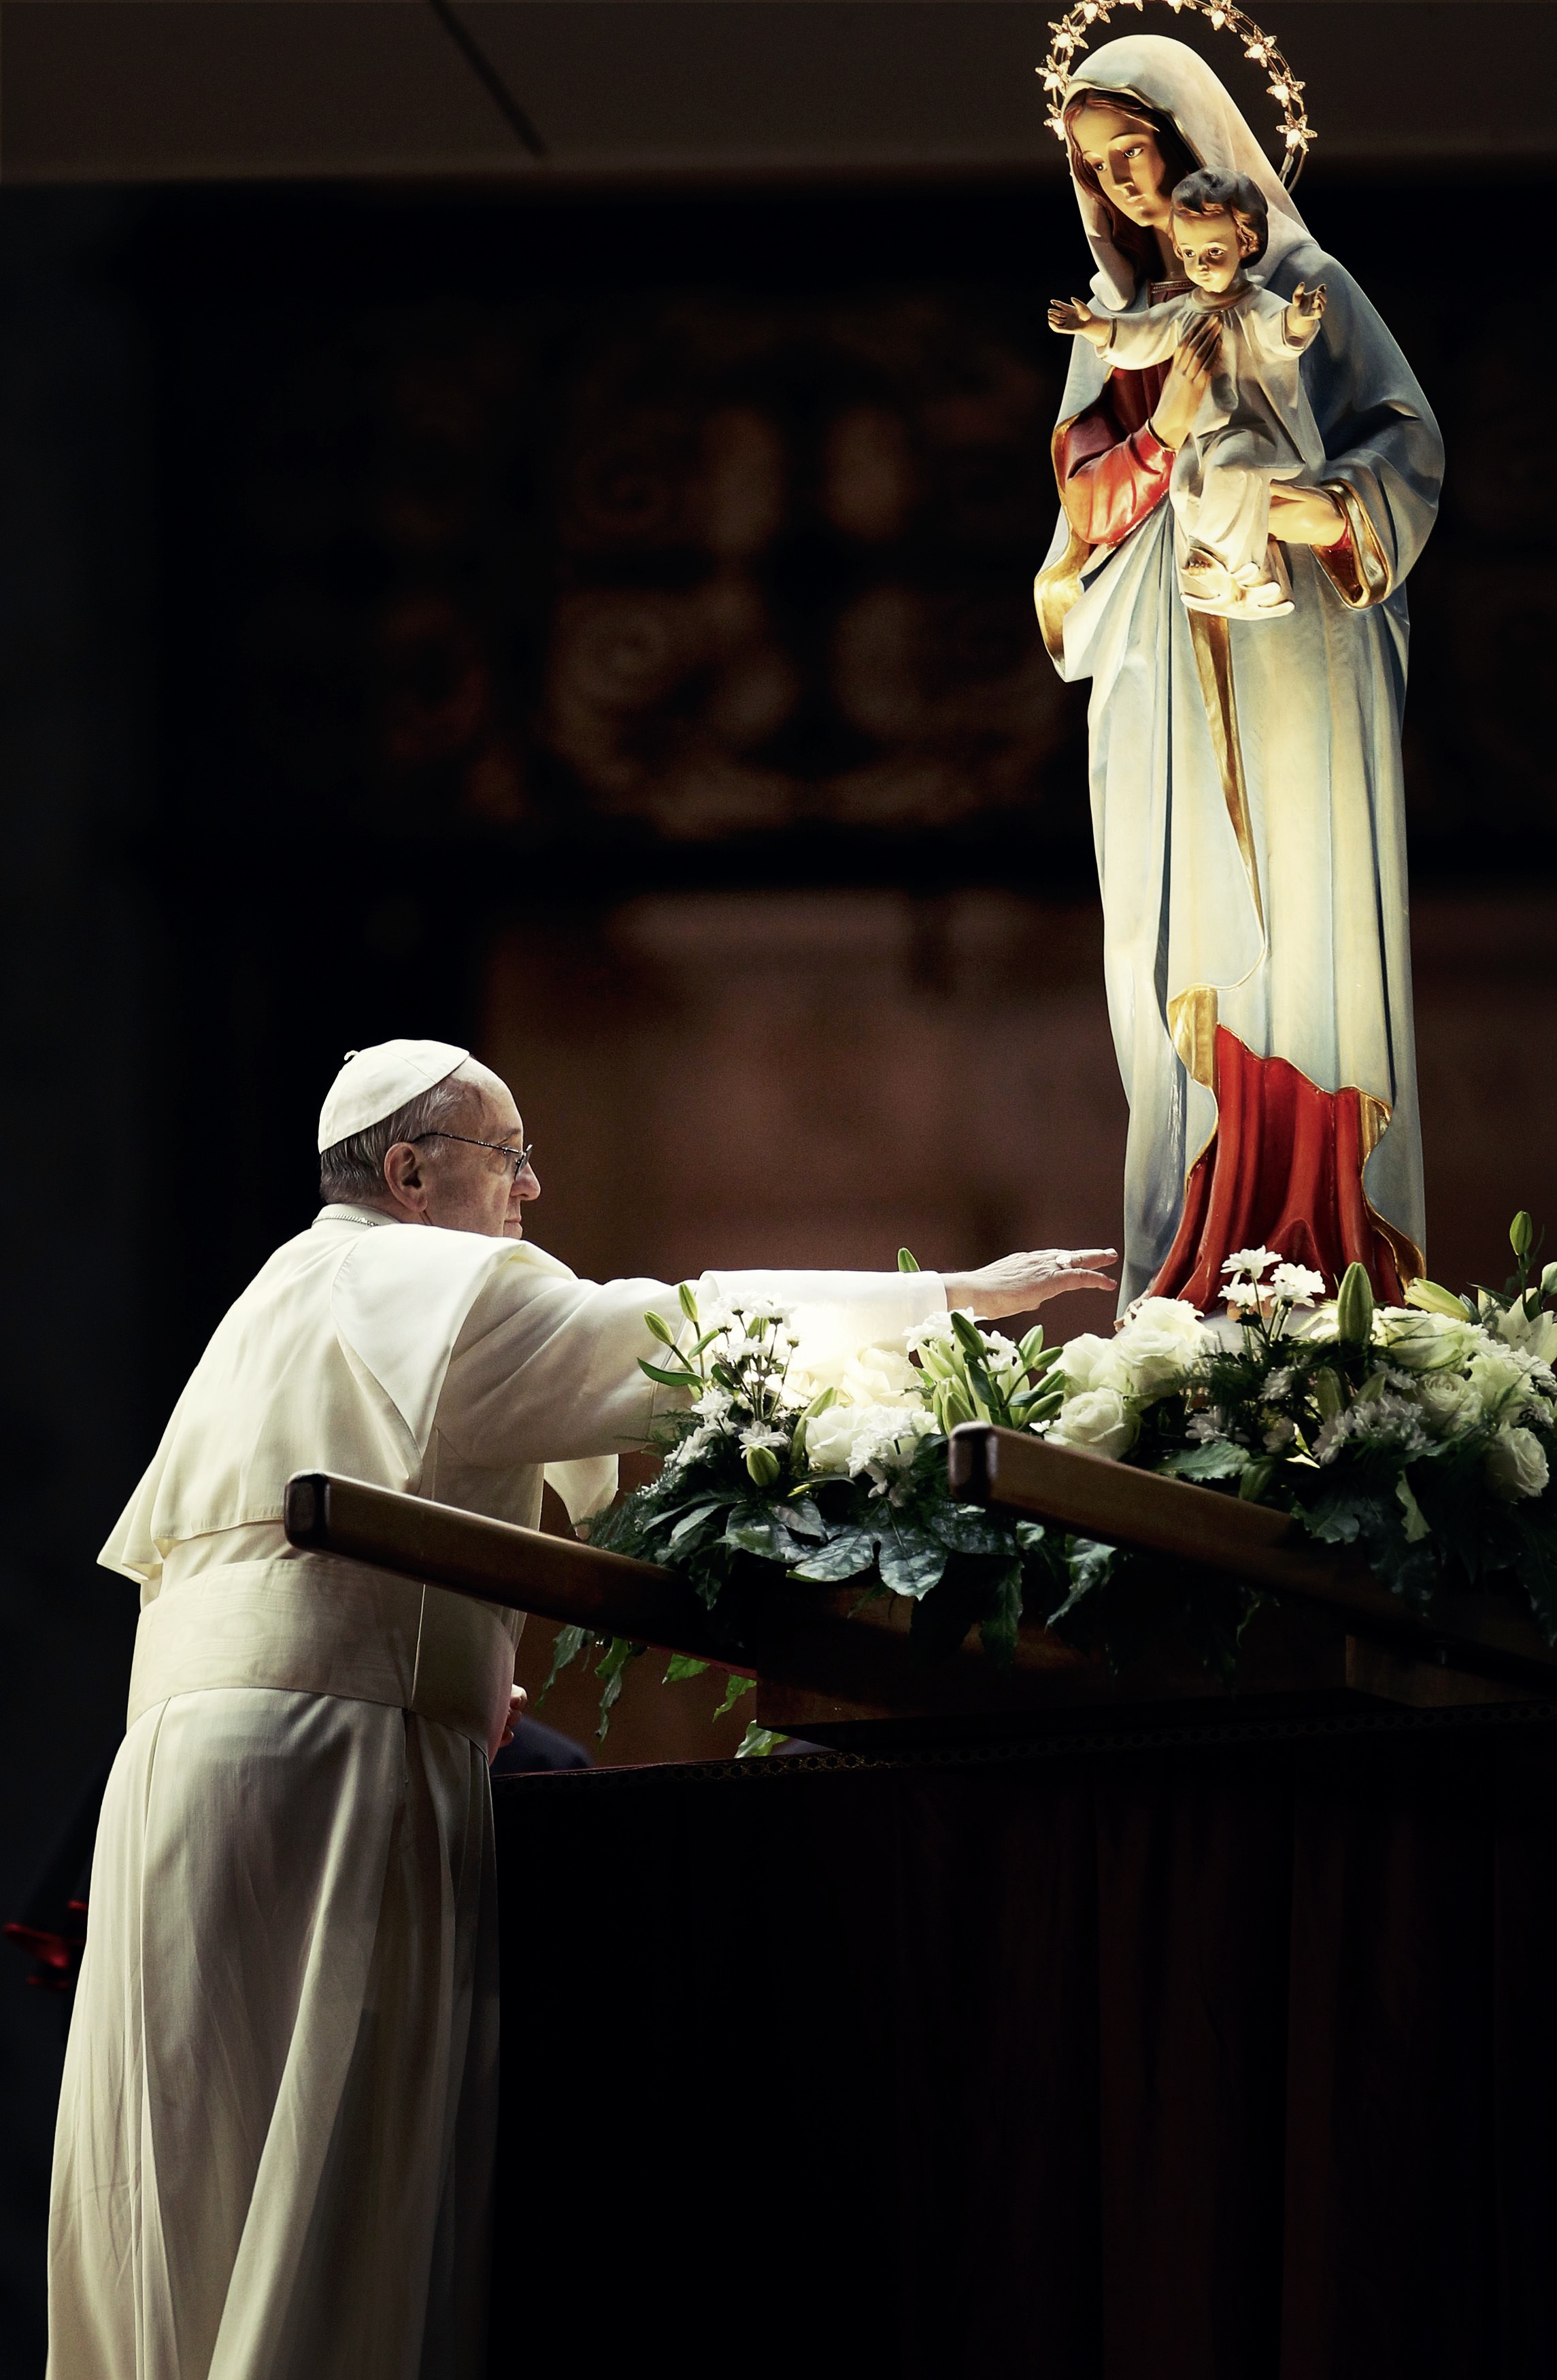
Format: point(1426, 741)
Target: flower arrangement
point(1423, 1434)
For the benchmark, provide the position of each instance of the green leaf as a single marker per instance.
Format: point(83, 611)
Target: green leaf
point(1417, 1525)
point(757, 1532)
point(997, 1631)
point(612, 1671)
point(968, 1529)
point(668, 1380)
point(682, 1665)
point(1090, 1565)
point(909, 1561)
point(906, 1260)
point(569, 1643)
point(802, 1517)
point(844, 1556)
point(759, 1741)
point(1256, 1480)
point(700, 1517)
point(1030, 1535)
point(737, 1686)
point(1218, 1458)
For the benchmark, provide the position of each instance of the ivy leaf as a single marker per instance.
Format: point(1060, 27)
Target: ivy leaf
point(737, 1686)
point(909, 1561)
point(844, 1556)
point(1340, 1513)
point(569, 1644)
point(1030, 1534)
point(759, 1741)
point(699, 1517)
point(968, 1529)
point(682, 1665)
point(802, 1518)
point(1218, 1459)
point(612, 1673)
point(757, 1532)
point(997, 1631)
point(1090, 1565)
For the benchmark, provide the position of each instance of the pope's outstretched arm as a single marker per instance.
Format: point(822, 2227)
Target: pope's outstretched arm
point(546, 1368)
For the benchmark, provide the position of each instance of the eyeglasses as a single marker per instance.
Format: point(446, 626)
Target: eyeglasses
point(520, 1157)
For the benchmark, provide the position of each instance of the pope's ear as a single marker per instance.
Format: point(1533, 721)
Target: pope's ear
point(402, 1171)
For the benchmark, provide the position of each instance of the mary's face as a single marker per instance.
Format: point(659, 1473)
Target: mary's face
point(1124, 155)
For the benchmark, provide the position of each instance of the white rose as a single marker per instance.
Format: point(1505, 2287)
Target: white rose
point(1172, 1316)
point(864, 1375)
point(831, 1436)
point(1516, 1464)
point(1500, 1378)
point(1089, 1362)
point(852, 1437)
point(1159, 1344)
point(1447, 1402)
point(1098, 1419)
point(1427, 1342)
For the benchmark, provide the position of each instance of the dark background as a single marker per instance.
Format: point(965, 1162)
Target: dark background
point(593, 625)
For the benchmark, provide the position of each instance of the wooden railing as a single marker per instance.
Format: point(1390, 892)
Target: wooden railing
point(824, 1662)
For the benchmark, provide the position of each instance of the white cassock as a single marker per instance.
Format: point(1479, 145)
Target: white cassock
point(277, 2126)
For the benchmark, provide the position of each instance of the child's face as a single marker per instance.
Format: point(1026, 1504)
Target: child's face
point(1210, 250)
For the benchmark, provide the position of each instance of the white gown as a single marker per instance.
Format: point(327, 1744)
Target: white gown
point(275, 2130)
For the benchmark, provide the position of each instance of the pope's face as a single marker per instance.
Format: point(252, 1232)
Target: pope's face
point(1210, 250)
point(1127, 162)
point(472, 1189)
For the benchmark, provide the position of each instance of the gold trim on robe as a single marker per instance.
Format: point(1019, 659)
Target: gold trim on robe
point(1362, 576)
point(1055, 590)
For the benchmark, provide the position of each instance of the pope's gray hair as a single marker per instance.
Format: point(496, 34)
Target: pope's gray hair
point(353, 1169)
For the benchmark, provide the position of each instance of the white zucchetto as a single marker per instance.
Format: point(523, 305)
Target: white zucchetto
point(373, 1083)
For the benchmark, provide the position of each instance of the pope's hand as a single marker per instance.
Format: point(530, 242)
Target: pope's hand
point(517, 1701)
point(1015, 1284)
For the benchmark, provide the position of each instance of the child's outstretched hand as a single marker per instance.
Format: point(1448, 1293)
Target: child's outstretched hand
point(1077, 321)
point(1303, 311)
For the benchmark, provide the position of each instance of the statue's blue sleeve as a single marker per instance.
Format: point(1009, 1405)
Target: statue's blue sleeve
point(1383, 450)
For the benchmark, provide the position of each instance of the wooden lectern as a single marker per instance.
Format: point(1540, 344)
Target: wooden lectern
point(1041, 2021)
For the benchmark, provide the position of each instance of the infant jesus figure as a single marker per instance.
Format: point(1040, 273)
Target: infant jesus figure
point(1255, 423)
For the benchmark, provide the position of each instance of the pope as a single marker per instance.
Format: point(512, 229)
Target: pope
point(276, 2125)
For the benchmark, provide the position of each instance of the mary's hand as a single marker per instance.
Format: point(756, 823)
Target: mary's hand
point(1305, 516)
point(1194, 362)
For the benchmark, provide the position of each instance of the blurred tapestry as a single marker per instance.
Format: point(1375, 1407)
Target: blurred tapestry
point(676, 569)
point(651, 530)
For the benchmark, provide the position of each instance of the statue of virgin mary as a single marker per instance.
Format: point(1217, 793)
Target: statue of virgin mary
point(1246, 788)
